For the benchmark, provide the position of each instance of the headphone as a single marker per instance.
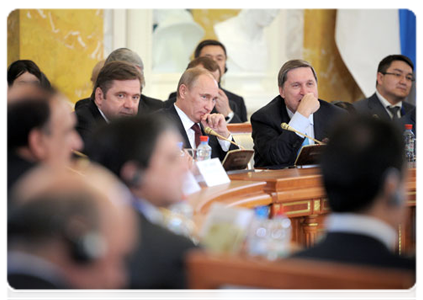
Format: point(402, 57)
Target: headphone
point(396, 199)
point(82, 238)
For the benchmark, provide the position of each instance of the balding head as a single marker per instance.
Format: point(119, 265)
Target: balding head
point(56, 211)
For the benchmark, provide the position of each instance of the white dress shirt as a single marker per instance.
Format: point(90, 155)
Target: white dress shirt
point(385, 104)
point(361, 224)
point(187, 123)
point(302, 124)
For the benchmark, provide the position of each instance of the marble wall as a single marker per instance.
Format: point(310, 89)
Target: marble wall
point(335, 81)
point(64, 43)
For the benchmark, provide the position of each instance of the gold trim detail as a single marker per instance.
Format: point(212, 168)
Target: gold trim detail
point(399, 239)
point(298, 211)
point(316, 205)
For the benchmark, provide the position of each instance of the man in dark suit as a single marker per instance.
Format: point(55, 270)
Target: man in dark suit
point(143, 152)
point(65, 231)
point(363, 174)
point(191, 113)
point(299, 106)
point(41, 129)
point(394, 80)
point(116, 94)
point(228, 108)
point(217, 51)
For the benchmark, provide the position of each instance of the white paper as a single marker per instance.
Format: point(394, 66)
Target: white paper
point(213, 172)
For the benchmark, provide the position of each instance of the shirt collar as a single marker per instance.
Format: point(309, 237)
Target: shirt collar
point(25, 263)
point(361, 224)
point(103, 115)
point(291, 114)
point(151, 212)
point(385, 102)
point(186, 121)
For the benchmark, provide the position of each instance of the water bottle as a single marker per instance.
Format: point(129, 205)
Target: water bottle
point(280, 232)
point(204, 150)
point(409, 140)
point(257, 238)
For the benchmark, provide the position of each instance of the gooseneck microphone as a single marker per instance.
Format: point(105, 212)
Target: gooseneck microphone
point(210, 131)
point(289, 128)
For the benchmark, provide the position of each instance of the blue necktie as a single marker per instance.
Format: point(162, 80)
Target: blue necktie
point(305, 143)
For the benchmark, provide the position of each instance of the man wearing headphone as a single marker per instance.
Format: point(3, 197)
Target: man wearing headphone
point(217, 51)
point(68, 232)
point(363, 173)
point(143, 152)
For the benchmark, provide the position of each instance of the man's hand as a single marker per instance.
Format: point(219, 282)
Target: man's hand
point(217, 123)
point(308, 105)
point(222, 104)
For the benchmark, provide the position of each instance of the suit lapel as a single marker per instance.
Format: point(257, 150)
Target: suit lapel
point(376, 108)
point(180, 126)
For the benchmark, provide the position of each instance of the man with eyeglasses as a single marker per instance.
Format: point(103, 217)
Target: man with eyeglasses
point(395, 76)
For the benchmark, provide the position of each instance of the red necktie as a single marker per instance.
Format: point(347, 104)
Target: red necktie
point(198, 133)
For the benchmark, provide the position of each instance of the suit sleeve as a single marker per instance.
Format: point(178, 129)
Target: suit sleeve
point(273, 146)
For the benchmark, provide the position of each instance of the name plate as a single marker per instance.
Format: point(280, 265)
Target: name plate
point(212, 172)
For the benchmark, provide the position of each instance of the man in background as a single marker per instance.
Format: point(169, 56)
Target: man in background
point(395, 76)
point(116, 94)
point(217, 51)
point(226, 107)
point(297, 105)
point(196, 97)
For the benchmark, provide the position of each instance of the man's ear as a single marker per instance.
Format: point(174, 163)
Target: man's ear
point(131, 174)
point(183, 89)
point(379, 77)
point(392, 188)
point(36, 144)
point(99, 96)
point(281, 92)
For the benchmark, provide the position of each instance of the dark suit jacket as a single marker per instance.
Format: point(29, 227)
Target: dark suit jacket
point(373, 107)
point(148, 105)
point(158, 261)
point(413, 118)
point(88, 117)
point(278, 148)
point(24, 287)
point(356, 249)
point(239, 101)
point(217, 151)
point(16, 167)
point(235, 119)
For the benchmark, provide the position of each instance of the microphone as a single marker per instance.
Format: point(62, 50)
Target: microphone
point(210, 131)
point(289, 128)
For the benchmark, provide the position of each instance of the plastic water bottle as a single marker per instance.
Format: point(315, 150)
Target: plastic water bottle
point(257, 238)
point(204, 150)
point(409, 140)
point(280, 232)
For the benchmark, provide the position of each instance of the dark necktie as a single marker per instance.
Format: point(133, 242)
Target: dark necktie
point(198, 133)
point(394, 111)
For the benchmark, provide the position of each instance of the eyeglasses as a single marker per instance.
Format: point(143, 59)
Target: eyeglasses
point(399, 76)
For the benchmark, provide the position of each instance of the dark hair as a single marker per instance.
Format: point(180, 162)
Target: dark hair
point(208, 64)
point(387, 61)
point(127, 139)
point(19, 67)
point(47, 216)
point(25, 115)
point(290, 65)
point(356, 160)
point(345, 105)
point(205, 43)
point(116, 70)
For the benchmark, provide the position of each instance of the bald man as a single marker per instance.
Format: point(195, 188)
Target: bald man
point(68, 232)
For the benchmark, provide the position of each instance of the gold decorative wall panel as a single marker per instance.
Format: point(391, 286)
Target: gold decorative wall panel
point(335, 81)
point(64, 43)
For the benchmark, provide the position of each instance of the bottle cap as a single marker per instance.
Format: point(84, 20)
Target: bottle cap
point(262, 212)
point(204, 138)
point(408, 126)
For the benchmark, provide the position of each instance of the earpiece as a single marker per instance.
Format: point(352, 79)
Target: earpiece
point(86, 248)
